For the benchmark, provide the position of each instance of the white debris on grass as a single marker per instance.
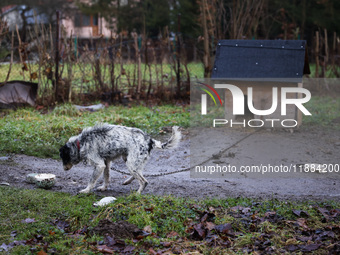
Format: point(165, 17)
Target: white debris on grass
point(105, 201)
point(90, 107)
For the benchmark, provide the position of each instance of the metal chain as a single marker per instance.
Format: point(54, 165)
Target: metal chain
point(188, 168)
point(153, 175)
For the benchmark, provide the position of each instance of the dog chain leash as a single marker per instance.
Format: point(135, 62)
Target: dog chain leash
point(189, 168)
point(153, 175)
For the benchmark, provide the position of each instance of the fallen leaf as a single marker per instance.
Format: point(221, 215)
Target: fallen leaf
point(41, 253)
point(236, 208)
point(334, 213)
point(104, 249)
point(208, 217)
point(172, 234)
point(212, 239)
point(62, 225)
point(210, 226)
point(310, 247)
point(304, 238)
point(147, 229)
point(269, 214)
point(291, 248)
point(211, 209)
point(166, 244)
point(142, 235)
point(291, 241)
point(152, 252)
point(300, 213)
point(109, 241)
point(129, 248)
point(204, 218)
point(224, 228)
point(324, 212)
point(199, 231)
point(149, 209)
point(302, 222)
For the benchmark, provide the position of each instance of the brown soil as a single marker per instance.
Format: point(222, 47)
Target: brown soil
point(119, 230)
point(274, 147)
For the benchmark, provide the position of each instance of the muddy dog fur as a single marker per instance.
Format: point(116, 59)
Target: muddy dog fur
point(101, 144)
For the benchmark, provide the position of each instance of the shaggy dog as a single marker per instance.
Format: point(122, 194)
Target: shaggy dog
point(101, 144)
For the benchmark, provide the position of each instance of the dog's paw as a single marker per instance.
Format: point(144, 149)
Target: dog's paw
point(102, 188)
point(128, 181)
point(84, 191)
point(142, 187)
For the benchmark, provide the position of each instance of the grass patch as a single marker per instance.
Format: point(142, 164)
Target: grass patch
point(324, 110)
point(82, 78)
point(331, 72)
point(59, 223)
point(29, 132)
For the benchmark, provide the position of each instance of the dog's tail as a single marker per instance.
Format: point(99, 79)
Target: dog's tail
point(172, 142)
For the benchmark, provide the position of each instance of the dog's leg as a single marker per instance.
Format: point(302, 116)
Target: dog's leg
point(99, 168)
point(135, 164)
point(142, 182)
point(106, 176)
point(128, 181)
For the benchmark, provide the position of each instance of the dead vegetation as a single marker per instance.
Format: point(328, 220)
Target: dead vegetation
point(116, 70)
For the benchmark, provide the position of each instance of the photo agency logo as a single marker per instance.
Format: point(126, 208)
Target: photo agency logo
point(275, 115)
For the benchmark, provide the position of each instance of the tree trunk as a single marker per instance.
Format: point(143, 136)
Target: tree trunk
point(206, 57)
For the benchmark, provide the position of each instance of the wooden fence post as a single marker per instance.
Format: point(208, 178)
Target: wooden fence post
point(317, 55)
point(56, 96)
point(178, 74)
point(11, 63)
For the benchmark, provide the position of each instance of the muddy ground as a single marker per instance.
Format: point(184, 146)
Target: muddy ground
point(262, 147)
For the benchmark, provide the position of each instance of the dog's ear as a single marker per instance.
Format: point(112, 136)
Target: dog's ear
point(64, 149)
point(64, 153)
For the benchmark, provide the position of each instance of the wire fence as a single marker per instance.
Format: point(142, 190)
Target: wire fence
point(113, 69)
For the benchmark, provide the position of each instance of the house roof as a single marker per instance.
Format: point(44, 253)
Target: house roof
point(30, 15)
point(261, 59)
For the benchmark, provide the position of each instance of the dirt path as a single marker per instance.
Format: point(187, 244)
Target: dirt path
point(264, 147)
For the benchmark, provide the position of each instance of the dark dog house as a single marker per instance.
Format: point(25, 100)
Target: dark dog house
point(262, 65)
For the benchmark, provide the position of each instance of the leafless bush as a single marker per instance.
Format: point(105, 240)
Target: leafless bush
point(117, 69)
point(3, 29)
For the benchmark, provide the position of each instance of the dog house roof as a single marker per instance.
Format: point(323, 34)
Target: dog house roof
point(261, 59)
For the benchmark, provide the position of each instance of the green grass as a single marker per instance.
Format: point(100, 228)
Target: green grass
point(199, 120)
point(45, 208)
point(83, 72)
point(29, 132)
point(329, 72)
point(324, 110)
point(163, 214)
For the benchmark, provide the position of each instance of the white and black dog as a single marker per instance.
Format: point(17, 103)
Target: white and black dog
point(101, 144)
